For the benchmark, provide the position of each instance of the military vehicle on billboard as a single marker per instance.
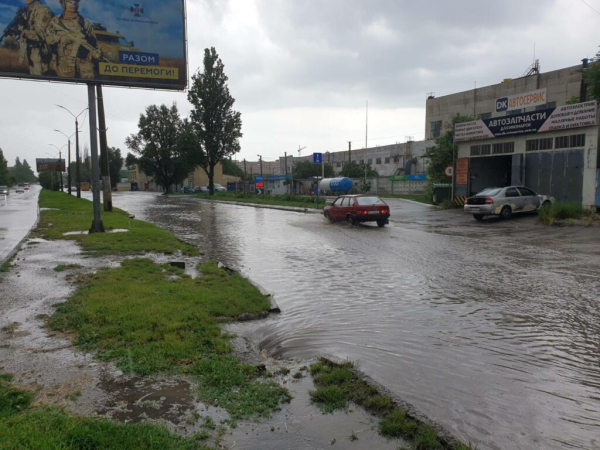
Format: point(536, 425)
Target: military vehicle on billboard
point(111, 43)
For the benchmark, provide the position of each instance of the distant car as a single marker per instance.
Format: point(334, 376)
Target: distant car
point(4, 190)
point(219, 188)
point(505, 202)
point(356, 209)
point(201, 190)
point(20, 190)
point(186, 190)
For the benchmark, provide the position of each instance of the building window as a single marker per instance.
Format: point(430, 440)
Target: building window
point(362, 161)
point(480, 150)
point(538, 144)
point(369, 161)
point(485, 116)
point(505, 147)
point(387, 160)
point(575, 140)
point(397, 158)
point(436, 129)
point(378, 161)
point(338, 164)
point(546, 106)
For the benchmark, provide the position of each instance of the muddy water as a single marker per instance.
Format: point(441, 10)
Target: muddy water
point(497, 341)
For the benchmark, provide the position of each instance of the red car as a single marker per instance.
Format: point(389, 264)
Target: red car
point(358, 208)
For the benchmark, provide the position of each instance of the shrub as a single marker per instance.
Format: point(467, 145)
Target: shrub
point(561, 211)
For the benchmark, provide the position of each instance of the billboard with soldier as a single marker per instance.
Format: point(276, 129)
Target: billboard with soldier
point(118, 42)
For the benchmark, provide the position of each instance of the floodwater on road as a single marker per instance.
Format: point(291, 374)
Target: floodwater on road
point(18, 213)
point(497, 340)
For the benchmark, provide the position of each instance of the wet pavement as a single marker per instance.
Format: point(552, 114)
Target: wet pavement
point(18, 213)
point(491, 329)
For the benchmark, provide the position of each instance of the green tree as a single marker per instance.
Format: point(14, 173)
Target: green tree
point(357, 170)
point(444, 153)
point(163, 145)
point(50, 180)
point(4, 172)
point(22, 172)
point(231, 168)
point(115, 162)
point(217, 126)
point(591, 76)
point(130, 160)
point(306, 169)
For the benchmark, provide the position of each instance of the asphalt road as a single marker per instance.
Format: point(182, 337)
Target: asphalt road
point(491, 329)
point(18, 213)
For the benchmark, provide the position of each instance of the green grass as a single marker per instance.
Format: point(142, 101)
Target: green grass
point(63, 267)
point(562, 211)
point(339, 384)
point(152, 318)
point(300, 201)
point(75, 214)
point(12, 400)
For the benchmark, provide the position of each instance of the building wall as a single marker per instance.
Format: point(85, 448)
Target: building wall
point(561, 86)
point(387, 159)
point(253, 167)
point(568, 174)
point(200, 177)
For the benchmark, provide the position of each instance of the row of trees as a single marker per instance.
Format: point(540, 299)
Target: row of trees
point(168, 147)
point(20, 173)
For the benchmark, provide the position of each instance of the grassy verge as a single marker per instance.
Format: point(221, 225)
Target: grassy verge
point(153, 318)
point(416, 198)
point(24, 427)
point(70, 214)
point(276, 200)
point(338, 385)
point(562, 211)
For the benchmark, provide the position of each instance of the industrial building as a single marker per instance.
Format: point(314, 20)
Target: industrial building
point(388, 160)
point(537, 130)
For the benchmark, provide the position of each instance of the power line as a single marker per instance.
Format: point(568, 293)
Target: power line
point(590, 6)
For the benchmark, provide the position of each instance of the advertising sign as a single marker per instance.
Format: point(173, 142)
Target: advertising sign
point(462, 171)
point(552, 119)
point(50, 165)
point(111, 42)
point(519, 101)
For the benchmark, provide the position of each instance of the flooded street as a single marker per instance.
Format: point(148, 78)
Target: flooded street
point(496, 339)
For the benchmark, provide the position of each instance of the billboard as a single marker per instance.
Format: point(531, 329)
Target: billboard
point(551, 119)
point(50, 165)
point(519, 101)
point(117, 42)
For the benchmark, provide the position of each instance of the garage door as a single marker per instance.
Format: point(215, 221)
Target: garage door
point(559, 174)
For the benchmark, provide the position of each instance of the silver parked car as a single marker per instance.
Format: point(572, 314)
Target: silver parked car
point(505, 202)
point(219, 188)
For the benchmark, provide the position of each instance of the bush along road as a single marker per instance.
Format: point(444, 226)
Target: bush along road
point(133, 311)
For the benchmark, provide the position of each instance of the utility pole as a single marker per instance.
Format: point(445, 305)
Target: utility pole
point(260, 161)
point(69, 169)
point(245, 171)
point(104, 165)
point(97, 225)
point(366, 140)
point(349, 152)
point(61, 170)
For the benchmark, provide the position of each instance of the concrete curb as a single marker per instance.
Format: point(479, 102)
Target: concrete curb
point(411, 201)
point(256, 205)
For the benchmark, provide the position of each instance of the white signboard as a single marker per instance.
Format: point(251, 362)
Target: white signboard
point(520, 101)
point(571, 116)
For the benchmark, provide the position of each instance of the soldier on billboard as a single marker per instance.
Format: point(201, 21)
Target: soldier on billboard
point(29, 28)
point(76, 46)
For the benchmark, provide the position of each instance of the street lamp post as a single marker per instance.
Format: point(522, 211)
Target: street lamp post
point(69, 180)
point(78, 162)
point(59, 164)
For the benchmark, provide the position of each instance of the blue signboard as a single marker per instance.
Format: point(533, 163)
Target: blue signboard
point(318, 158)
point(279, 177)
point(258, 179)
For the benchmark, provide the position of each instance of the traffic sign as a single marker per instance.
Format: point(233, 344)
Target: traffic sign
point(448, 171)
point(318, 158)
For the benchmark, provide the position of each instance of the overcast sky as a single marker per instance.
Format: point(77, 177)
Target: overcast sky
point(302, 70)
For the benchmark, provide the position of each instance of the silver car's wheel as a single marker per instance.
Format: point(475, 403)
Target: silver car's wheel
point(506, 213)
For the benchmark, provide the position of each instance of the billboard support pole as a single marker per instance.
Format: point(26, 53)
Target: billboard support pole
point(104, 166)
point(60, 170)
point(97, 225)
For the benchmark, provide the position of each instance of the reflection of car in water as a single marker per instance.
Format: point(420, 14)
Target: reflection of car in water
point(111, 43)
